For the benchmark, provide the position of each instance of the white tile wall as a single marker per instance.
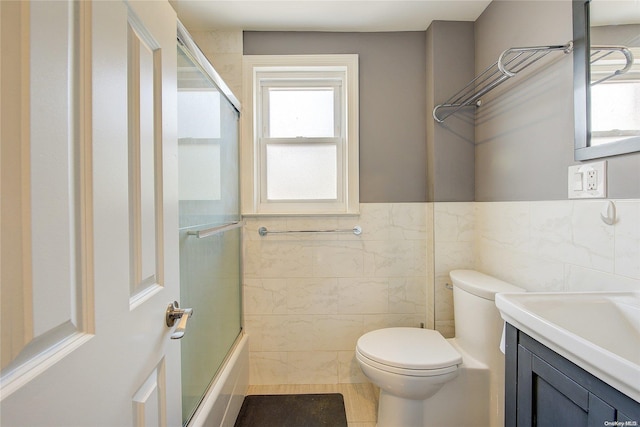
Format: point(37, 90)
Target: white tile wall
point(560, 245)
point(627, 240)
point(309, 297)
point(540, 246)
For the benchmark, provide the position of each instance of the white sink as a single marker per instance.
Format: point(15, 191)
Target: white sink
point(598, 331)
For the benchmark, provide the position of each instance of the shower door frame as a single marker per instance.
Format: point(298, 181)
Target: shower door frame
point(214, 231)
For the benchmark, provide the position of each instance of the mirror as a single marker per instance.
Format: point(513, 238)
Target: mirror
point(606, 77)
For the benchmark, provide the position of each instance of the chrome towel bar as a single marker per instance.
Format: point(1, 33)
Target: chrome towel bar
point(206, 232)
point(357, 230)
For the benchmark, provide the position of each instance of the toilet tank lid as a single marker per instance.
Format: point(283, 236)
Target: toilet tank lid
point(480, 284)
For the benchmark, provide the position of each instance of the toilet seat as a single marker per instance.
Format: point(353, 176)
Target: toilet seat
point(408, 351)
point(403, 371)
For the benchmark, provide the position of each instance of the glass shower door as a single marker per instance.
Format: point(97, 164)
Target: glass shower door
point(210, 228)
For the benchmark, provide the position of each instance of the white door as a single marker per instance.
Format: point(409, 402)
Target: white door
point(89, 214)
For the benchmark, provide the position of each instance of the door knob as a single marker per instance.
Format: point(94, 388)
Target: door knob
point(174, 313)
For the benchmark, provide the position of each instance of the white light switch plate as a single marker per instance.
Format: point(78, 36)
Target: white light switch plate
point(588, 180)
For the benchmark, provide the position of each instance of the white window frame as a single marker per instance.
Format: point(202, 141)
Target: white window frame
point(260, 71)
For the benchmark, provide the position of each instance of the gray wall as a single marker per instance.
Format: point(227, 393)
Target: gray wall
point(524, 131)
point(392, 103)
point(450, 145)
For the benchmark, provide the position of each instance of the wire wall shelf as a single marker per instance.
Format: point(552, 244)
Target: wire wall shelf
point(509, 64)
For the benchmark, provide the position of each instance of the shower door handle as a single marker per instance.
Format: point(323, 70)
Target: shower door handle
point(174, 313)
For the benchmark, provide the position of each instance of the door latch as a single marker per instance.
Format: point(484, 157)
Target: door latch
point(174, 313)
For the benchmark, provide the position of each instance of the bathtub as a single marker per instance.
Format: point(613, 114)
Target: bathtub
point(223, 400)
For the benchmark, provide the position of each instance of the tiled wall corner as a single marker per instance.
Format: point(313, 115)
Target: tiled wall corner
point(429, 262)
point(454, 236)
point(309, 297)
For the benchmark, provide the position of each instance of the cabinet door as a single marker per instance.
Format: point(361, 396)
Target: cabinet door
point(547, 397)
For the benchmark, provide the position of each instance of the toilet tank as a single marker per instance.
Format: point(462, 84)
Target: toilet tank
point(478, 324)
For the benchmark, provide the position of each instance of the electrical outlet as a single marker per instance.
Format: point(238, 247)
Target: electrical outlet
point(588, 180)
point(592, 179)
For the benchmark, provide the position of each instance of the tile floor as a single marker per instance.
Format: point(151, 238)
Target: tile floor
point(360, 400)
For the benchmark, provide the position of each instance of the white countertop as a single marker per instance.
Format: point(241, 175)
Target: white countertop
point(598, 331)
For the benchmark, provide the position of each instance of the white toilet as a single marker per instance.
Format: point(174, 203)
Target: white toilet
point(411, 365)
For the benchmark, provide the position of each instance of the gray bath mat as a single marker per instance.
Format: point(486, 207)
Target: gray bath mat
point(292, 410)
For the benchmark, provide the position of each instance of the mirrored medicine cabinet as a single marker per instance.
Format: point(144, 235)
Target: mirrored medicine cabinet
point(606, 77)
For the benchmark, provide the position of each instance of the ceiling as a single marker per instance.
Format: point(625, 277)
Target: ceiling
point(611, 12)
point(323, 15)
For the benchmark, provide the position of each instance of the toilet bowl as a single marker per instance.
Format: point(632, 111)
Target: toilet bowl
point(424, 378)
point(394, 359)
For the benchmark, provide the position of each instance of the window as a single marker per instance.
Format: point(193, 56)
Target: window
point(300, 135)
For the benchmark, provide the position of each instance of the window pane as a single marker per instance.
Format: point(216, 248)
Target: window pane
point(301, 112)
point(614, 109)
point(614, 106)
point(301, 172)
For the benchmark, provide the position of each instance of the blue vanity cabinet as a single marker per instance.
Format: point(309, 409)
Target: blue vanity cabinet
point(544, 389)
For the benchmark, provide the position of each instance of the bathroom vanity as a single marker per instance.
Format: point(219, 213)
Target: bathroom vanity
point(572, 359)
point(545, 389)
